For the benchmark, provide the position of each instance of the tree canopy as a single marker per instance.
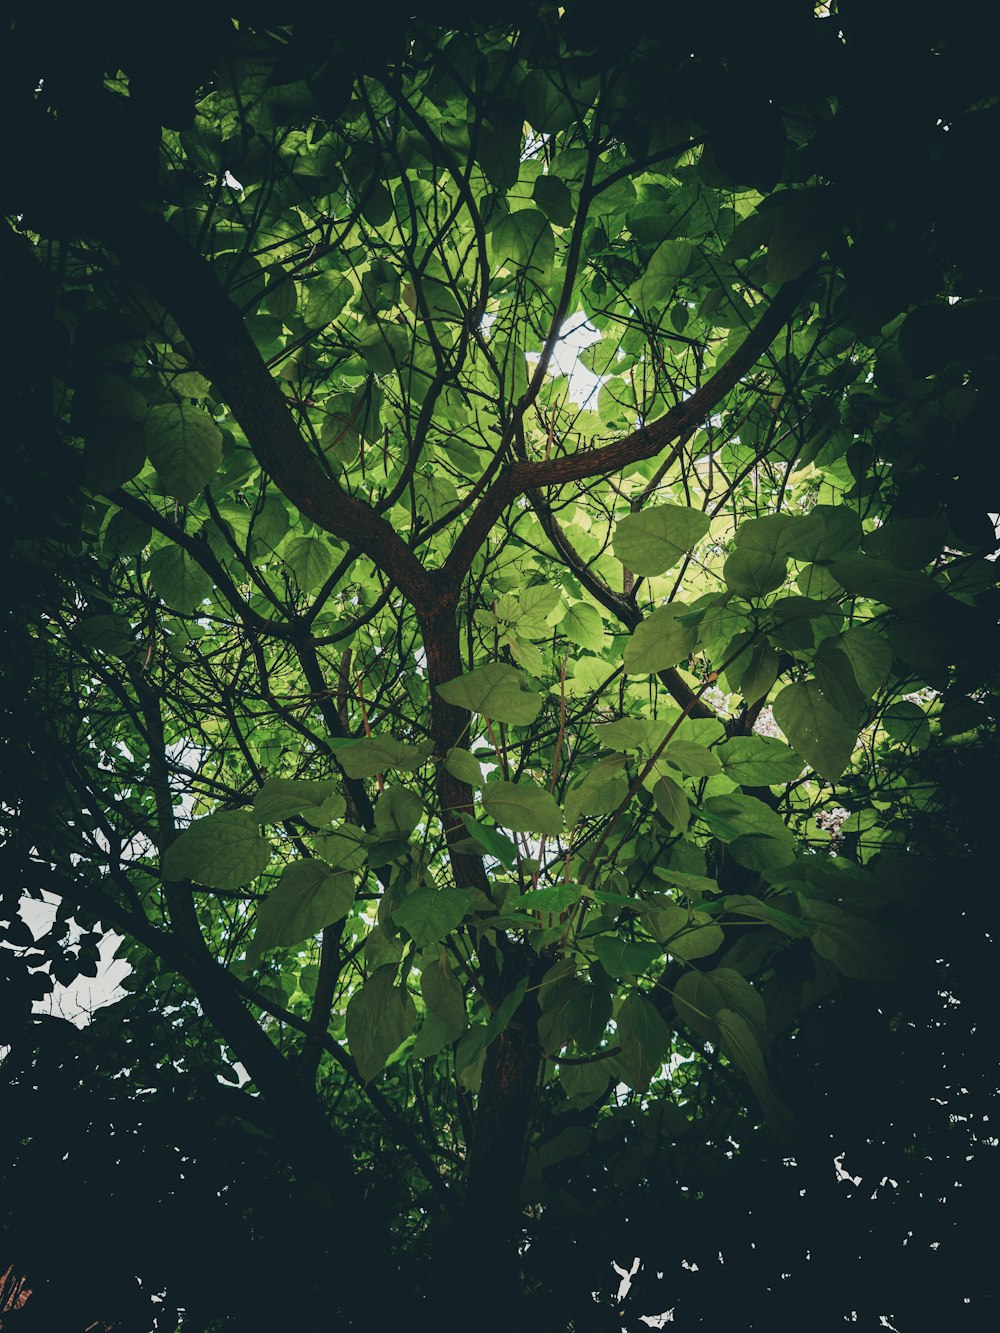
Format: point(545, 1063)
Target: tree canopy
point(502, 632)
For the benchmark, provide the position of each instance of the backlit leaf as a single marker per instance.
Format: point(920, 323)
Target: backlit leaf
point(222, 851)
point(644, 1038)
point(185, 447)
point(758, 761)
point(660, 641)
point(380, 1016)
point(428, 915)
point(652, 541)
point(817, 731)
point(368, 755)
point(523, 807)
point(309, 896)
point(178, 578)
point(497, 691)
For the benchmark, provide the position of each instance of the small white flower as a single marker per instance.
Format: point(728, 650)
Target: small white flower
point(766, 725)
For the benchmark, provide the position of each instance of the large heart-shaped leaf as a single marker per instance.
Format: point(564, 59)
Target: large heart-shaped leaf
point(309, 896)
point(221, 851)
point(497, 691)
point(652, 541)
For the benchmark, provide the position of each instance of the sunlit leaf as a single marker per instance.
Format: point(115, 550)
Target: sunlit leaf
point(222, 851)
point(380, 1016)
point(309, 896)
point(497, 691)
point(522, 807)
point(653, 540)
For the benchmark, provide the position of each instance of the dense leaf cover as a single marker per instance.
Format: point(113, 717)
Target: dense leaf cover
point(537, 800)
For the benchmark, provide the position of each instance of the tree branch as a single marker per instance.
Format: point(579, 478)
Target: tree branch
point(645, 442)
point(185, 285)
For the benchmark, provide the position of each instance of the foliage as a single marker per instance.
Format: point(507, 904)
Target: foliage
point(509, 783)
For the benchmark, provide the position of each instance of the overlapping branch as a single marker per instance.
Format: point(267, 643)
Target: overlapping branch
point(521, 477)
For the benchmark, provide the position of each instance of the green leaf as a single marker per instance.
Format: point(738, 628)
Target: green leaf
point(668, 264)
point(588, 1013)
point(433, 1036)
point(185, 447)
point(497, 691)
point(744, 814)
point(554, 199)
point(178, 579)
point(857, 948)
point(759, 761)
point(835, 677)
point(761, 851)
point(885, 582)
point(344, 848)
point(700, 995)
point(624, 958)
point(800, 228)
point(570, 1142)
point(326, 295)
point(282, 295)
point(384, 346)
point(428, 915)
point(523, 807)
point(365, 757)
point(557, 898)
point(769, 535)
point(740, 1045)
point(311, 560)
point(652, 541)
point(548, 105)
point(744, 904)
point(557, 985)
point(523, 240)
point(685, 934)
point(602, 790)
point(464, 766)
point(630, 733)
point(309, 896)
point(870, 657)
point(380, 1017)
point(660, 641)
point(754, 671)
point(284, 798)
point(582, 624)
point(443, 995)
point(907, 723)
point(753, 573)
point(506, 1010)
point(114, 452)
point(126, 534)
point(672, 803)
point(694, 760)
point(271, 524)
point(381, 948)
point(586, 1083)
point(492, 841)
point(110, 634)
point(398, 810)
point(499, 147)
point(531, 611)
point(815, 728)
point(828, 532)
point(910, 543)
point(221, 851)
point(645, 1041)
point(695, 886)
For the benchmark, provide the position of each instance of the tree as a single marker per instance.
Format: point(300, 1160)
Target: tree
point(498, 789)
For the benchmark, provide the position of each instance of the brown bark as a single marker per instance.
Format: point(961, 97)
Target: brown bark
point(645, 442)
